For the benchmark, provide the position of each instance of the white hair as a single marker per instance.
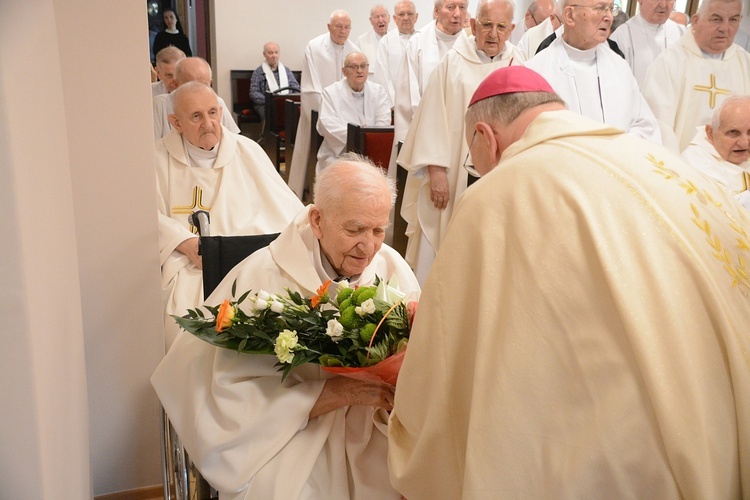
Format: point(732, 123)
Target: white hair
point(192, 68)
point(339, 13)
point(181, 93)
point(169, 55)
point(351, 173)
point(378, 6)
point(732, 99)
point(484, 3)
point(705, 4)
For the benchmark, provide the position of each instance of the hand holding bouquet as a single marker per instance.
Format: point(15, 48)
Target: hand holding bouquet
point(361, 333)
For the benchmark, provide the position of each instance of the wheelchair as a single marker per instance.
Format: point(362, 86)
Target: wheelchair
point(181, 479)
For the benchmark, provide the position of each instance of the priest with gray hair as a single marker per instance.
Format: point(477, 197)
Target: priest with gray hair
point(314, 434)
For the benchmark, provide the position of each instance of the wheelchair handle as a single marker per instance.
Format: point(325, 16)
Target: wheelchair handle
point(201, 220)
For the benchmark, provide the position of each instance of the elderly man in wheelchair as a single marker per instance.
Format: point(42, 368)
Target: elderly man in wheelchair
point(314, 434)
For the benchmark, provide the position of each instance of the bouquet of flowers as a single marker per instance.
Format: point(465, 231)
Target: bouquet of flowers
point(360, 333)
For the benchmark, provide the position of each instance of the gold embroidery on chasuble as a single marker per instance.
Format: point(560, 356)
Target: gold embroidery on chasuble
point(734, 256)
point(712, 91)
point(197, 204)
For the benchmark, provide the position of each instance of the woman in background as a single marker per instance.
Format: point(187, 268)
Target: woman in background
point(172, 35)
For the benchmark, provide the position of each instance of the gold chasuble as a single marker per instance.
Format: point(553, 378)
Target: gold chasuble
point(683, 87)
point(584, 331)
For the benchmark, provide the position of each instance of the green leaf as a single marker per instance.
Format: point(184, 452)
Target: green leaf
point(243, 296)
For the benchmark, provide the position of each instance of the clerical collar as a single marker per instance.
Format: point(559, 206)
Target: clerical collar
point(172, 32)
point(484, 58)
point(324, 268)
point(198, 157)
point(651, 26)
point(708, 55)
point(575, 54)
point(445, 37)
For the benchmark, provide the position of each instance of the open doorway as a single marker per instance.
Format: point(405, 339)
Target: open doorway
point(195, 21)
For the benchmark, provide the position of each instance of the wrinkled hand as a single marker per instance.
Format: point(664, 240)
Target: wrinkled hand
point(439, 192)
point(339, 392)
point(189, 247)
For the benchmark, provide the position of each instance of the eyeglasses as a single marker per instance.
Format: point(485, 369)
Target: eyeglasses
point(600, 9)
point(354, 67)
point(406, 14)
point(488, 26)
point(470, 168)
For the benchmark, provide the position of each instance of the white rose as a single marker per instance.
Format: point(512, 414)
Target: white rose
point(260, 303)
point(263, 295)
point(277, 307)
point(368, 306)
point(335, 329)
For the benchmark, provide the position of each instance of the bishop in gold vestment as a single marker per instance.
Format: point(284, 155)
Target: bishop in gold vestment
point(584, 331)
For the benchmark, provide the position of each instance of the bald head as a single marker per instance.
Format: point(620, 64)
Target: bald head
point(679, 17)
point(405, 16)
point(339, 26)
point(380, 19)
point(349, 217)
point(193, 69)
point(169, 55)
point(492, 13)
point(166, 60)
point(271, 54)
point(729, 131)
point(351, 173)
point(538, 11)
point(197, 114)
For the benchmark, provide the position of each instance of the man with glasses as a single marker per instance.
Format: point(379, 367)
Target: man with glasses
point(584, 330)
point(538, 11)
point(434, 147)
point(353, 99)
point(324, 58)
point(688, 80)
point(368, 42)
point(647, 34)
point(593, 80)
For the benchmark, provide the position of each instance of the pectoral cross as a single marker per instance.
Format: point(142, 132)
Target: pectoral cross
point(745, 181)
point(189, 209)
point(712, 90)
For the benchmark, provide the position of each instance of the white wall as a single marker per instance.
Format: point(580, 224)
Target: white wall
point(80, 298)
point(242, 27)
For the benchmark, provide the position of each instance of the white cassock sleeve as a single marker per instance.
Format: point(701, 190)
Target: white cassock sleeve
point(332, 123)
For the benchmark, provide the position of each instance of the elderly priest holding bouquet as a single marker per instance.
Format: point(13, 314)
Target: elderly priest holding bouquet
point(311, 435)
point(606, 354)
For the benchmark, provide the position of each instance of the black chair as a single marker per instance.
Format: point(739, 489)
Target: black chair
point(221, 253)
point(312, 158)
point(399, 224)
point(181, 480)
point(291, 121)
point(274, 129)
point(242, 106)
